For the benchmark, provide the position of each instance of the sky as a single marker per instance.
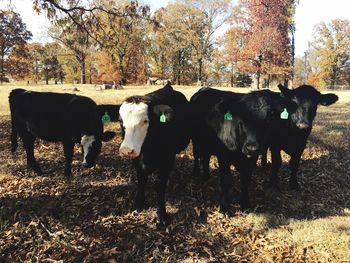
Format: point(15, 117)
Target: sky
point(308, 14)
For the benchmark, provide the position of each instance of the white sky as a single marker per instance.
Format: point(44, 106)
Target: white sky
point(308, 14)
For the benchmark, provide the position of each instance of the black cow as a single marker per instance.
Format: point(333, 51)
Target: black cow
point(56, 117)
point(291, 135)
point(154, 129)
point(235, 128)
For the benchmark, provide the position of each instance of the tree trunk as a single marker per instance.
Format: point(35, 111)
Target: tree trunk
point(200, 68)
point(46, 76)
point(258, 80)
point(122, 70)
point(82, 70)
point(286, 81)
point(2, 75)
point(232, 76)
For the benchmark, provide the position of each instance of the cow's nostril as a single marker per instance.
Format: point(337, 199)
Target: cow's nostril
point(302, 125)
point(127, 152)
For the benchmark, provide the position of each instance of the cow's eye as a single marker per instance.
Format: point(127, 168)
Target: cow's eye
point(145, 121)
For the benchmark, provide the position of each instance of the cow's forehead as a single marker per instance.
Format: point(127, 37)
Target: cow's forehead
point(133, 110)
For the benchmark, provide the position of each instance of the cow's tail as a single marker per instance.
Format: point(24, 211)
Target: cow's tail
point(12, 101)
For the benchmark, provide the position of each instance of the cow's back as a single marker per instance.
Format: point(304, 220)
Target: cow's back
point(51, 116)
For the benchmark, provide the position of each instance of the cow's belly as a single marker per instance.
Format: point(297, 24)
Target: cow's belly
point(47, 132)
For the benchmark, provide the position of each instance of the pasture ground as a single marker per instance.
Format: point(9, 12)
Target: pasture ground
point(91, 218)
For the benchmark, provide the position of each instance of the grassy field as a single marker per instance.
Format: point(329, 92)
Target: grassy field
point(91, 218)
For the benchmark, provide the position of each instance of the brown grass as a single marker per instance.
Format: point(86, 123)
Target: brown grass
point(91, 218)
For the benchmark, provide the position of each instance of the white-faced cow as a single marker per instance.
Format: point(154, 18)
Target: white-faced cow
point(292, 133)
point(234, 127)
point(154, 129)
point(56, 117)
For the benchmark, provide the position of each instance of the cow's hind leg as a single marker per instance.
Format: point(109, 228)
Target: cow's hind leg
point(28, 143)
point(68, 148)
point(164, 171)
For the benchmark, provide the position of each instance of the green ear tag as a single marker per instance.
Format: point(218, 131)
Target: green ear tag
point(162, 118)
point(106, 118)
point(284, 114)
point(228, 116)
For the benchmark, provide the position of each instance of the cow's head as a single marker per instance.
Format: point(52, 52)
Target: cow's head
point(306, 98)
point(235, 131)
point(92, 144)
point(138, 117)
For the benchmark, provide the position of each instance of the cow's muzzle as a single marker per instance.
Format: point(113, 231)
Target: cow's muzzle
point(302, 125)
point(128, 153)
point(250, 150)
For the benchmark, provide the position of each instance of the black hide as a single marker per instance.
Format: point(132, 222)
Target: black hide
point(56, 117)
point(163, 141)
point(234, 140)
point(291, 135)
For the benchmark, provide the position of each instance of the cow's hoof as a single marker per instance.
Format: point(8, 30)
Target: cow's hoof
point(245, 206)
point(163, 222)
point(224, 215)
point(294, 186)
point(140, 205)
point(274, 185)
point(68, 178)
point(36, 169)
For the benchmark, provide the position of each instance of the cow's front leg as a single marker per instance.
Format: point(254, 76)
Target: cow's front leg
point(294, 165)
point(142, 176)
point(28, 142)
point(68, 148)
point(205, 167)
point(163, 176)
point(245, 168)
point(276, 165)
point(225, 183)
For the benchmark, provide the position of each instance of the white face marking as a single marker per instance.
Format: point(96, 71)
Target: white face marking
point(135, 121)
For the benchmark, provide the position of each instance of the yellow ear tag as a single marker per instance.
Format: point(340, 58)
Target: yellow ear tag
point(162, 118)
point(228, 116)
point(284, 114)
point(106, 118)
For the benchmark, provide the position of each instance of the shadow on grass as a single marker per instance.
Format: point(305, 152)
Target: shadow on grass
point(94, 211)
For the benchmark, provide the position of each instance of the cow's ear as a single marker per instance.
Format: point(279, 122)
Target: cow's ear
point(164, 113)
point(328, 99)
point(285, 92)
point(107, 136)
point(108, 112)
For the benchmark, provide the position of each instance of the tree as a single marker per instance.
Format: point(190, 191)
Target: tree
point(18, 63)
point(299, 72)
point(74, 38)
point(170, 47)
point(14, 36)
point(51, 67)
point(203, 19)
point(330, 53)
point(270, 46)
point(120, 35)
point(36, 51)
point(55, 10)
